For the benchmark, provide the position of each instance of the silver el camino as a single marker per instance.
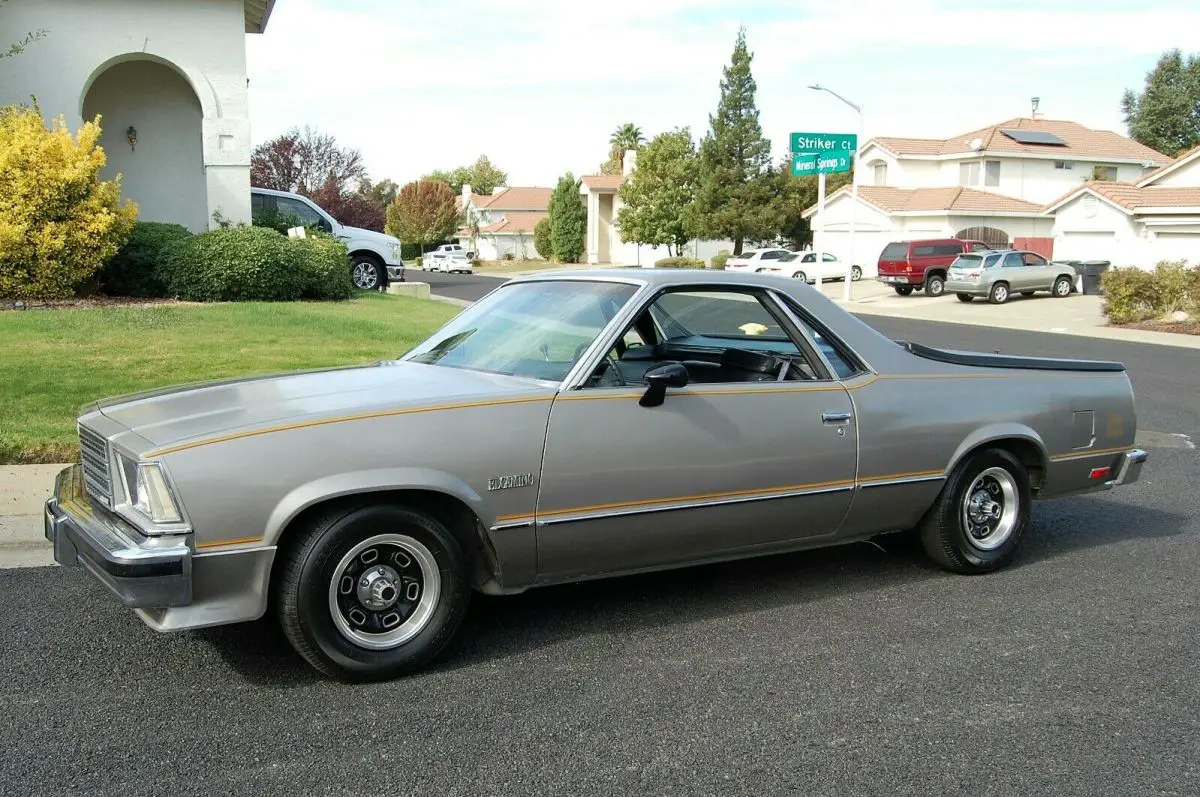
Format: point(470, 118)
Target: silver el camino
point(570, 426)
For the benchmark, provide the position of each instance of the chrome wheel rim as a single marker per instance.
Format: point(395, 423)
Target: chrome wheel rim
point(990, 508)
point(800, 275)
point(1001, 293)
point(855, 274)
point(936, 286)
point(384, 591)
point(1063, 288)
point(365, 275)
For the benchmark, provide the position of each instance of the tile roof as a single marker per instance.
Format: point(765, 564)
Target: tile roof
point(900, 200)
point(516, 222)
point(515, 198)
point(604, 182)
point(1133, 198)
point(1082, 142)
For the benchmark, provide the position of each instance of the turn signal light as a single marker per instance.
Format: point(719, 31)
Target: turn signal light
point(1100, 473)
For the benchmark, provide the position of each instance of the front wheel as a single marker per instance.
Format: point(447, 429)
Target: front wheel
point(366, 273)
point(981, 514)
point(800, 275)
point(373, 592)
point(1062, 287)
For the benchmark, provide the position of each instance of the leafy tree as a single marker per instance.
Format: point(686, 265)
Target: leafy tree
point(359, 209)
point(736, 198)
point(382, 193)
point(1165, 115)
point(423, 213)
point(568, 220)
point(541, 239)
point(798, 194)
point(302, 161)
point(18, 47)
point(483, 177)
point(658, 195)
point(626, 137)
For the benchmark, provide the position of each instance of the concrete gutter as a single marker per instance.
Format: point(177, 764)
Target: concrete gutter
point(23, 492)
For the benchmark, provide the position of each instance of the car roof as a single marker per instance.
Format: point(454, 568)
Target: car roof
point(654, 276)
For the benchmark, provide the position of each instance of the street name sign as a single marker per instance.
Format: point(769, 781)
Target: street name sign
point(831, 143)
point(806, 163)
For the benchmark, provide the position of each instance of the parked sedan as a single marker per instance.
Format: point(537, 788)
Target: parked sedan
point(999, 274)
point(566, 427)
point(755, 259)
point(803, 266)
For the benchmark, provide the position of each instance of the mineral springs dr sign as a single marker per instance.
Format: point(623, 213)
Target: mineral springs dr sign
point(822, 153)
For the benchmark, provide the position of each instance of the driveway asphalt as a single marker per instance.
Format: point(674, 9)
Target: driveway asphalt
point(858, 670)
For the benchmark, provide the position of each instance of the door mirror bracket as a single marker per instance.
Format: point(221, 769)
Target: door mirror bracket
point(659, 379)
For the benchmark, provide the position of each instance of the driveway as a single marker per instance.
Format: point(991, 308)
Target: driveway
point(846, 671)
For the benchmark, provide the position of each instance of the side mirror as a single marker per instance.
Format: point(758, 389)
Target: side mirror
point(661, 378)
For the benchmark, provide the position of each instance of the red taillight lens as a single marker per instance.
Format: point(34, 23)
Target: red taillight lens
point(1100, 473)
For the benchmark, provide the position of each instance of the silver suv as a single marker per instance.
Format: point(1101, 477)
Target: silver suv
point(999, 274)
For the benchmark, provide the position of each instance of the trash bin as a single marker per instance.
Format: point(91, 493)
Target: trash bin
point(1093, 270)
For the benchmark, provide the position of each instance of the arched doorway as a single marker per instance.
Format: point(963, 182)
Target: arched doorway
point(163, 170)
point(989, 235)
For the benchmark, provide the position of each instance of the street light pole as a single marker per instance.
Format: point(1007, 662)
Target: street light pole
point(853, 188)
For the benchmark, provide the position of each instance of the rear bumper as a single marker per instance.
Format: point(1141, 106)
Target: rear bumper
point(969, 288)
point(1129, 470)
point(140, 571)
point(897, 279)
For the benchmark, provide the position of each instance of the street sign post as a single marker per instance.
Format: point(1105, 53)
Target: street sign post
point(822, 154)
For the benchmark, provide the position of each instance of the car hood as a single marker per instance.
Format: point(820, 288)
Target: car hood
point(176, 415)
point(382, 239)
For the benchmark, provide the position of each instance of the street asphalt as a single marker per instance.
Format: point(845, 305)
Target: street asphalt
point(849, 671)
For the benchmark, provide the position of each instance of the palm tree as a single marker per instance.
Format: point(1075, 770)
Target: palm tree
point(627, 136)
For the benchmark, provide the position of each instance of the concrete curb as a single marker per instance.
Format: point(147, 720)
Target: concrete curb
point(23, 492)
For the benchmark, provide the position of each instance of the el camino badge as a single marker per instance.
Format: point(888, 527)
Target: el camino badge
point(509, 482)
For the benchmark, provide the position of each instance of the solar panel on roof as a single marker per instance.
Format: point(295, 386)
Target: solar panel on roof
point(1034, 137)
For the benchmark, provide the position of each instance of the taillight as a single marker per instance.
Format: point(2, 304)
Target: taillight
point(1099, 473)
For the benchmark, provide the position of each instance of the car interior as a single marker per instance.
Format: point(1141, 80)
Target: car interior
point(758, 350)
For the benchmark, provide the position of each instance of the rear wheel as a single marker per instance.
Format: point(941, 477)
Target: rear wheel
point(373, 592)
point(1062, 287)
point(999, 293)
point(903, 290)
point(800, 275)
point(981, 515)
point(935, 285)
point(855, 273)
point(963, 297)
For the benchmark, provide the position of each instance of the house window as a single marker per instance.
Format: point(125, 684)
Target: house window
point(1108, 173)
point(1064, 165)
point(968, 173)
point(880, 173)
point(991, 174)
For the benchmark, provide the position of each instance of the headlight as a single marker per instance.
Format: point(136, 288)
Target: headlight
point(396, 251)
point(148, 491)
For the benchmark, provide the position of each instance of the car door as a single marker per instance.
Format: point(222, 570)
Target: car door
point(727, 463)
point(831, 267)
point(1012, 271)
point(1039, 275)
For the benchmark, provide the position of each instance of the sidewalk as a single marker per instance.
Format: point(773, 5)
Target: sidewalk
point(23, 492)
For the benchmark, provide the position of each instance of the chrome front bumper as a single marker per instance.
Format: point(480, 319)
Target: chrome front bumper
point(395, 272)
point(142, 572)
point(1129, 469)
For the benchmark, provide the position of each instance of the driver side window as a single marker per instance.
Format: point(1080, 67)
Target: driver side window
point(719, 336)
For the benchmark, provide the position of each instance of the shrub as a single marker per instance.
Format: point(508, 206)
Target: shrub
point(1130, 295)
point(326, 267)
point(59, 222)
point(1175, 286)
point(568, 220)
point(720, 258)
point(133, 270)
point(509, 256)
point(272, 219)
point(679, 262)
point(236, 264)
point(542, 242)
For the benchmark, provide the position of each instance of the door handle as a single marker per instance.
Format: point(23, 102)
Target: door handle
point(835, 417)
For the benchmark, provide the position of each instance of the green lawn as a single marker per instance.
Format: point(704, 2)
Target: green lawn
point(52, 362)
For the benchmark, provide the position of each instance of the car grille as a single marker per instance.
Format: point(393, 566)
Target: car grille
point(97, 477)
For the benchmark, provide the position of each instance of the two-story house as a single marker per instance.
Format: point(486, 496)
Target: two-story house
point(992, 184)
point(501, 223)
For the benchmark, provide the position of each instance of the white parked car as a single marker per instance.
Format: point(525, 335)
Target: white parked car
point(755, 259)
point(449, 258)
point(803, 266)
point(374, 256)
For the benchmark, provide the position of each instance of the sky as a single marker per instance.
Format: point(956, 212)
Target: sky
point(540, 85)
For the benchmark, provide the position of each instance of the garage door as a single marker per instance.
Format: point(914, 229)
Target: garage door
point(1085, 246)
point(1177, 246)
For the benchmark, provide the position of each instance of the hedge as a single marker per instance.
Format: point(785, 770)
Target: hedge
point(719, 259)
point(1132, 294)
point(679, 262)
point(133, 271)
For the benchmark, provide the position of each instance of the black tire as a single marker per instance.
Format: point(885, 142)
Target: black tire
point(800, 275)
point(1062, 287)
point(1028, 293)
point(964, 297)
point(999, 293)
point(367, 273)
point(944, 530)
point(855, 273)
point(935, 285)
point(304, 595)
point(903, 290)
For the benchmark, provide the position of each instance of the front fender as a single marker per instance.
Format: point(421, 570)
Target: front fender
point(369, 481)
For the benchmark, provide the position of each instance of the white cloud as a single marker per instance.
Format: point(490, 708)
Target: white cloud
point(538, 85)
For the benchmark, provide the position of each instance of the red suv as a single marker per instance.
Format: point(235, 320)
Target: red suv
point(911, 265)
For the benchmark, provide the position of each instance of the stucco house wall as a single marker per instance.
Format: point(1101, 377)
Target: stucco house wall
point(175, 70)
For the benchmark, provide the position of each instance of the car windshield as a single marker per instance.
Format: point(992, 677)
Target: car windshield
point(535, 330)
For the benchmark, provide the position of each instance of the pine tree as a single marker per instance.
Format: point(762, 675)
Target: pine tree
point(568, 220)
point(1165, 116)
point(736, 199)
